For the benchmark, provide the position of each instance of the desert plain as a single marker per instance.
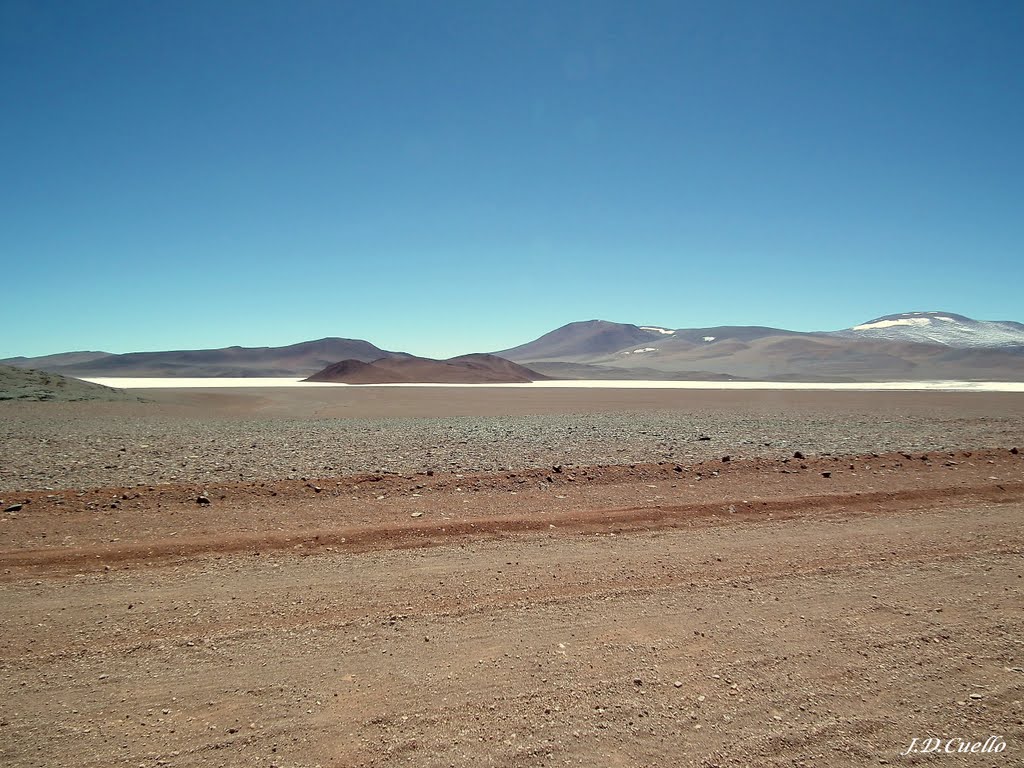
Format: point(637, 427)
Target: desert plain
point(430, 576)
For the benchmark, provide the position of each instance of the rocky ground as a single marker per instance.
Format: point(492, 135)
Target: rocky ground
point(251, 436)
point(752, 608)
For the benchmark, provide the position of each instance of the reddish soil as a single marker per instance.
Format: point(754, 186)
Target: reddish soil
point(741, 612)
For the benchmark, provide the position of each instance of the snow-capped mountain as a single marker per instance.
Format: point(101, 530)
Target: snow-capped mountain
point(912, 346)
point(944, 328)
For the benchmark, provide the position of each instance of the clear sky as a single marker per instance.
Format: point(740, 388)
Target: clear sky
point(444, 177)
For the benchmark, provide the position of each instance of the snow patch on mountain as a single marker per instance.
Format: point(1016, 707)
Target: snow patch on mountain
point(919, 321)
point(656, 329)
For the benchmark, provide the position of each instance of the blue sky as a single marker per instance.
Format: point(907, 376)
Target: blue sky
point(444, 177)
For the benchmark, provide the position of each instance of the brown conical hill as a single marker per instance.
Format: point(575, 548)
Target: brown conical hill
point(466, 369)
point(495, 365)
point(356, 372)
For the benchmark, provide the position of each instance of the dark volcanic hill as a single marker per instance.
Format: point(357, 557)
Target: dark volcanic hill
point(292, 360)
point(407, 369)
point(357, 372)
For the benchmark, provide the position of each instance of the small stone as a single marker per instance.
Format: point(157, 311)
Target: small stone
point(1014, 451)
point(202, 500)
point(726, 459)
point(678, 683)
point(798, 455)
point(416, 514)
point(703, 437)
point(637, 681)
point(826, 474)
point(14, 508)
point(976, 696)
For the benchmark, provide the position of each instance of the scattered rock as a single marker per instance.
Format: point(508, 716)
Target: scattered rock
point(826, 474)
point(14, 508)
point(726, 459)
point(202, 500)
point(798, 455)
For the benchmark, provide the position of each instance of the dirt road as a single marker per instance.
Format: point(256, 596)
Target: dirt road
point(730, 613)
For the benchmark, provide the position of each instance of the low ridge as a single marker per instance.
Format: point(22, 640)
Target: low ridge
point(30, 384)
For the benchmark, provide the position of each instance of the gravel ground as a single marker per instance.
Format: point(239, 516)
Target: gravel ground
point(63, 447)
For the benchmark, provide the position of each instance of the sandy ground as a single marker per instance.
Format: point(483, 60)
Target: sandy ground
point(767, 610)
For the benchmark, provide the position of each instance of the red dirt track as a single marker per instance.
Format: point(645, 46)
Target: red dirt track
point(741, 612)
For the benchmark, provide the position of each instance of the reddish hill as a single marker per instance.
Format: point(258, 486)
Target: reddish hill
point(407, 369)
point(357, 372)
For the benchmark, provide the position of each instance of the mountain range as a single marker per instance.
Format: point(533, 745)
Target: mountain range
point(905, 346)
point(300, 359)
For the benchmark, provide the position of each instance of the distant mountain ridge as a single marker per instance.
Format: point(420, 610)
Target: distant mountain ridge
point(300, 359)
point(906, 346)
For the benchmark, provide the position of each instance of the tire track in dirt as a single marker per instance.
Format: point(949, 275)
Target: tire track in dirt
point(422, 534)
point(520, 590)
